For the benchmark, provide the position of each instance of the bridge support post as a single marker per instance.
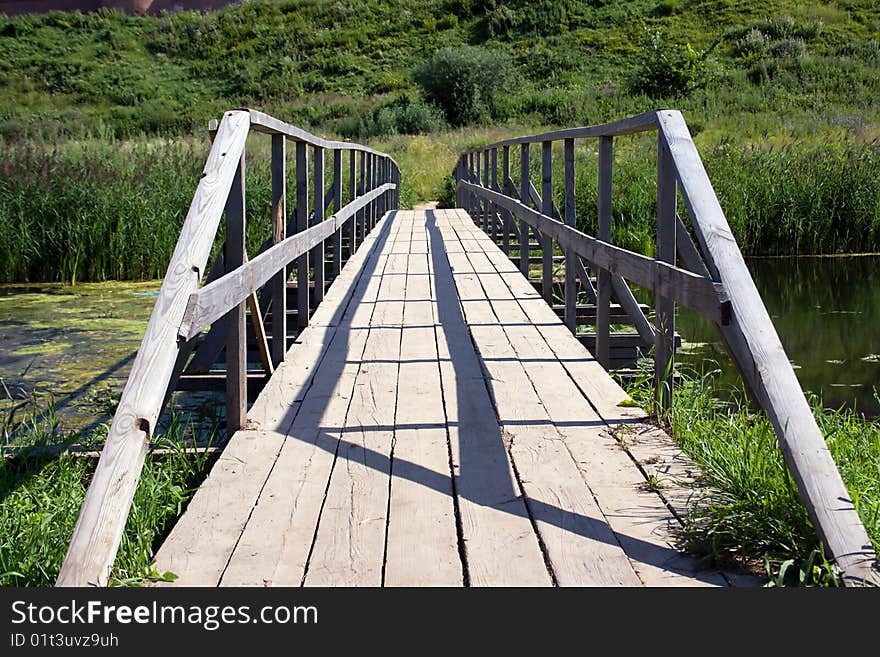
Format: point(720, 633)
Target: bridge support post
point(351, 226)
point(603, 293)
point(664, 344)
point(547, 208)
point(506, 217)
point(337, 206)
point(493, 182)
point(570, 220)
point(362, 214)
point(524, 184)
point(318, 251)
point(236, 337)
point(279, 232)
point(302, 223)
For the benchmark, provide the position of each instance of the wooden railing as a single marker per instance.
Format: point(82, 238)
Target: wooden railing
point(718, 287)
point(184, 309)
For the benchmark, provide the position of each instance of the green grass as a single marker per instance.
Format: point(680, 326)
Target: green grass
point(784, 103)
point(748, 508)
point(41, 496)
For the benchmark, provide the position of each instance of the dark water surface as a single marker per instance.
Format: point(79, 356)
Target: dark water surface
point(827, 313)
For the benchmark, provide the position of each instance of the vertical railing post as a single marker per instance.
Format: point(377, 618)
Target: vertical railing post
point(506, 216)
point(236, 336)
point(472, 178)
point(368, 186)
point(318, 251)
point(547, 209)
point(524, 185)
point(279, 228)
point(302, 223)
point(570, 220)
point(493, 181)
point(487, 207)
point(351, 229)
point(478, 164)
point(362, 185)
point(664, 308)
point(380, 178)
point(603, 293)
point(337, 206)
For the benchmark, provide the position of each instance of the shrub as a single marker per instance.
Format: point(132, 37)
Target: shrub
point(403, 117)
point(668, 70)
point(464, 81)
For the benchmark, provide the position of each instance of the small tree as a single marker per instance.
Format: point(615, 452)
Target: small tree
point(463, 81)
point(667, 69)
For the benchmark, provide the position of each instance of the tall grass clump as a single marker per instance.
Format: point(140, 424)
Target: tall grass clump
point(748, 507)
point(41, 493)
point(102, 209)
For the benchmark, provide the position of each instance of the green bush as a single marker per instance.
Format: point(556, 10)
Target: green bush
point(403, 117)
point(668, 69)
point(464, 82)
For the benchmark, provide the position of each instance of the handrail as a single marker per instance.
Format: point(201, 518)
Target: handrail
point(182, 310)
point(718, 286)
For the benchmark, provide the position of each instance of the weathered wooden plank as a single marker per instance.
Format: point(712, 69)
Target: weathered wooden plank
point(524, 185)
point(603, 301)
point(302, 224)
point(275, 544)
point(570, 289)
point(337, 206)
point(664, 307)
point(317, 255)
point(640, 123)
point(547, 208)
point(279, 233)
point(580, 546)
point(99, 527)
point(757, 349)
point(422, 544)
point(236, 336)
point(500, 547)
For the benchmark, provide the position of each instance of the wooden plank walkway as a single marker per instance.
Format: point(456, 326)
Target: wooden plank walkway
point(436, 424)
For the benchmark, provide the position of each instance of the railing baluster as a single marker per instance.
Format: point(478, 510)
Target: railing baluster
point(236, 337)
point(318, 251)
point(493, 181)
point(486, 204)
point(570, 219)
point(351, 226)
point(524, 184)
point(547, 208)
point(362, 214)
point(279, 232)
point(505, 216)
point(302, 223)
point(664, 308)
point(337, 206)
point(603, 301)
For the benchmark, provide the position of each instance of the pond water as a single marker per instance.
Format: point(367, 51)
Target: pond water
point(827, 313)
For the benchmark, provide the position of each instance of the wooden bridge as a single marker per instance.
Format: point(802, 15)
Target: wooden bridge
point(424, 413)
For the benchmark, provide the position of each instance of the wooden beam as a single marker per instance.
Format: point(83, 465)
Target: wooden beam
point(99, 527)
point(302, 224)
point(236, 335)
point(570, 290)
point(337, 206)
point(603, 302)
point(664, 306)
point(547, 208)
point(211, 302)
point(701, 295)
point(524, 184)
point(279, 233)
point(640, 123)
point(317, 256)
point(757, 348)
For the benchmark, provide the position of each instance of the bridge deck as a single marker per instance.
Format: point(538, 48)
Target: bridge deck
point(436, 424)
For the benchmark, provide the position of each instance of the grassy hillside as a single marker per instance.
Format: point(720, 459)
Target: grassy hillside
point(786, 68)
point(782, 99)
